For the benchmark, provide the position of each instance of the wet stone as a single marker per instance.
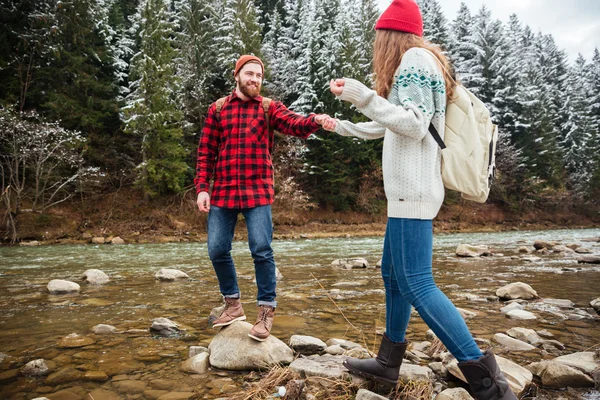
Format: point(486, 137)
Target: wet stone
point(130, 386)
point(103, 394)
point(74, 340)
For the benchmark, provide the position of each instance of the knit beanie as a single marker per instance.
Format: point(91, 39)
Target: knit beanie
point(403, 16)
point(243, 60)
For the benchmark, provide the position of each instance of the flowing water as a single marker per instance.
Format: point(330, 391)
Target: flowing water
point(314, 299)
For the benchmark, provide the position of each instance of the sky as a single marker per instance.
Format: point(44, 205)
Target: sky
point(574, 24)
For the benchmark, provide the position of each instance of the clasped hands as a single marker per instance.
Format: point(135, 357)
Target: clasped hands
point(328, 123)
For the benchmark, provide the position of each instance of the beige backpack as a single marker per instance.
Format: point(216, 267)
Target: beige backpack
point(469, 146)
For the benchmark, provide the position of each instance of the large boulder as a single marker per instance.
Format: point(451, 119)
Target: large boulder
point(95, 277)
point(593, 259)
point(232, 349)
point(169, 275)
point(60, 286)
point(516, 290)
point(518, 378)
point(556, 375)
point(467, 250)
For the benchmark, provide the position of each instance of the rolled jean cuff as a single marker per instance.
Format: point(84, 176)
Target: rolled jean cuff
point(268, 303)
point(232, 296)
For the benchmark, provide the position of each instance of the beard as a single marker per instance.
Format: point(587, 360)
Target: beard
point(250, 90)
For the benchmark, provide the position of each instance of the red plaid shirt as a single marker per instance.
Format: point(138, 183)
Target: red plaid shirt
point(235, 150)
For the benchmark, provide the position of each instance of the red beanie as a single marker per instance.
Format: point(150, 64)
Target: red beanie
point(403, 16)
point(243, 60)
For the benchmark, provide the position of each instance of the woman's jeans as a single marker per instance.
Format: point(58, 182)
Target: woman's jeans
point(408, 280)
point(221, 226)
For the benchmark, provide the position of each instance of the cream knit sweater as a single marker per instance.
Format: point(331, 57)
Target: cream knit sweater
point(411, 157)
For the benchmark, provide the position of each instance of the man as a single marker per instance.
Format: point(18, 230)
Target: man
point(235, 151)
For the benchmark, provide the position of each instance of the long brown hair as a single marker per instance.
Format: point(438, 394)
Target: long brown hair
point(388, 50)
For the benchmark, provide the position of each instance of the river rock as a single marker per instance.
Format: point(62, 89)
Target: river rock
point(350, 263)
point(583, 250)
point(74, 340)
point(516, 290)
point(589, 259)
point(596, 304)
point(130, 386)
point(103, 394)
point(586, 361)
point(31, 243)
point(195, 350)
point(467, 250)
point(531, 259)
point(346, 344)
point(59, 286)
point(559, 248)
point(98, 240)
point(520, 314)
point(512, 306)
point(556, 375)
point(563, 303)
point(364, 394)
point(307, 345)
point(95, 277)
point(543, 244)
point(103, 329)
point(511, 343)
point(412, 372)
point(550, 345)
point(169, 275)
point(117, 240)
point(95, 376)
point(232, 349)
point(527, 335)
point(518, 378)
point(197, 364)
point(466, 314)
point(177, 396)
point(164, 327)
point(454, 394)
point(335, 350)
point(326, 366)
point(35, 368)
point(64, 375)
point(524, 249)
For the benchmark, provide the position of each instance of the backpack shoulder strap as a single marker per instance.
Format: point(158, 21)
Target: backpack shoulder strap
point(220, 104)
point(436, 136)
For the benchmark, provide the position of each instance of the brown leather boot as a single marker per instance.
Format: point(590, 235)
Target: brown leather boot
point(264, 322)
point(385, 368)
point(485, 378)
point(233, 312)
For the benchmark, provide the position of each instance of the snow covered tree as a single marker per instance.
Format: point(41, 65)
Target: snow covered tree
point(153, 112)
point(435, 24)
point(237, 33)
point(593, 190)
point(459, 46)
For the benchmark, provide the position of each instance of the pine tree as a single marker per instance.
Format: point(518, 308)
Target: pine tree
point(459, 46)
point(153, 113)
point(577, 128)
point(237, 33)
point(435, 25)
point(593, 147)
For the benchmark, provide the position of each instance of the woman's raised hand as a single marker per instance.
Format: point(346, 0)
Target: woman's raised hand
point(337, 86)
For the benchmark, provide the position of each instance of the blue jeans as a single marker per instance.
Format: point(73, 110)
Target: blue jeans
point(408, 281)
point(221, 226)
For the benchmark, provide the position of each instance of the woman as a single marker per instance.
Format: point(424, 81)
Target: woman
point(413, 76)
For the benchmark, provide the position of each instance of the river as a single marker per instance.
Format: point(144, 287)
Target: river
point(32, 321)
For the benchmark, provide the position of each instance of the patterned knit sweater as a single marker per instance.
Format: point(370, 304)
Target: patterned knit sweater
point(411, 157)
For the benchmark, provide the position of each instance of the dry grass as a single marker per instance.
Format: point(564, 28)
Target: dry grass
point(413, 390)
point(267, 385)
point(436, 347)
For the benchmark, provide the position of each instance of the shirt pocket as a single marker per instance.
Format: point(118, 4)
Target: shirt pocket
point(256, 130)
